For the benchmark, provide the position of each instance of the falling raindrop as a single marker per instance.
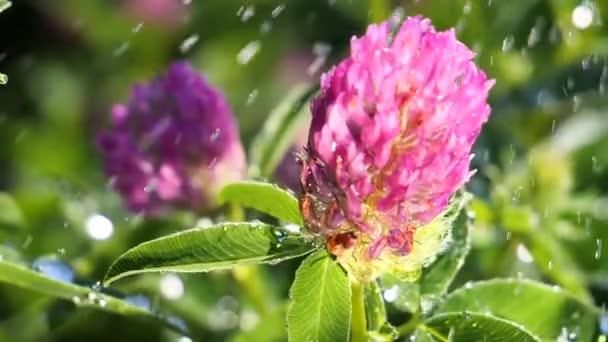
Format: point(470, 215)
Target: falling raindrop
point(137, 28)
point(252, 97)
point(278, 10)
point(507, 43)
point(99, 227)
point(246, 13)
point(54, 268)
point(121, 49)
point(321, 50)
point(598, 250)
point(523, 254)
point(215, 135)
point(248, 52)
point(188, 43)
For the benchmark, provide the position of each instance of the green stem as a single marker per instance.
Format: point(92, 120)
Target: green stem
point(358, 321)
point(409, 327)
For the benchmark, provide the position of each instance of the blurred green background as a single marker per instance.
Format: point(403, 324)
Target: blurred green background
point(541, 185)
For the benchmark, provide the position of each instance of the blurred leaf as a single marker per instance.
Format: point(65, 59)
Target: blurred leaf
point(270, 328)
point(223, 245)
point(550, 257)
point(4, 4)
point(552, 310)
point(265, 197)
point(472, 326)
point(437, 277)
point(321, 301)
point(374, 306)
point(10, 213)
point(275, 138)
point(81, 296)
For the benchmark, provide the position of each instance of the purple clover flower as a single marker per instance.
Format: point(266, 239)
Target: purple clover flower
point(173, 145)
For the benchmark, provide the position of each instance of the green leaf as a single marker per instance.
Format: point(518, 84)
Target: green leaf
point(4, 4)
point(223, 245)
point(543, 310)
point(321, 301)
point(265, 197)
point(81, 296)
point(275, 138)
point(472, 326)
point(437, 277)
point(3, 79)
point(10, 213)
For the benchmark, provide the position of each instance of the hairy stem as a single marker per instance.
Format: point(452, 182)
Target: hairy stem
point(358, 321)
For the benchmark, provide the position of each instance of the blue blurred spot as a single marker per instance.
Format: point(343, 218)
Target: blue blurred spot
point(54, 268)
point(139, 301)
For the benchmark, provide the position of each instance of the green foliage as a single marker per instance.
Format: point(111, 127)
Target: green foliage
point(265, 197)
point(270, 145)
point(321, 301)
point(544, 310)
point(221, 246)
point(81, 296)
point(469, 326)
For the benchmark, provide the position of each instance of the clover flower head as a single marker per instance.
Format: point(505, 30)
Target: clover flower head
point(173, 145)
point(389, 144)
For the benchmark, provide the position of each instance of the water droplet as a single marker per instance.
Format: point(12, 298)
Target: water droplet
point(321, 50)
point(280, 234)
point(248, 52)
point(252, 97)
point(188, 43)
point(523, 254)
point(278, 10)
point(507, 43)
point(246, 12)
point(137, 28)
point(598, 251)
point(3, 78)
point(390, 295)
point(54, 268)
point(121, 49)
point(97, 287)
point(215, 135)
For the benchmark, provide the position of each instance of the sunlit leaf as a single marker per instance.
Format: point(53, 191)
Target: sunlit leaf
point(544, 310)
point(271, 144)
point(223, 245)
point(472, 326)
point(81, 296)
point(265, 197)
point(10, 213)
point(4, 4)
point(321, 301)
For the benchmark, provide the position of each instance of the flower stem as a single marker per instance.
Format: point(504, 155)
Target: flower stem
point(409, 327)
point(358, 321)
